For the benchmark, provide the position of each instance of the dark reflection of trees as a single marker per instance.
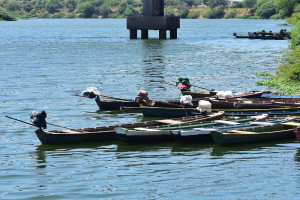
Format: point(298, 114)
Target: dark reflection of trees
point(154, 67)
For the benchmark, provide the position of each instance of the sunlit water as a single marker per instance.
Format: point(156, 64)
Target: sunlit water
point(43, 63)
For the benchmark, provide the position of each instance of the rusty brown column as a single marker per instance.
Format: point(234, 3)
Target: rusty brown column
point(173, 34)
point(144, 33)
point(133, 34)
point(162, 34)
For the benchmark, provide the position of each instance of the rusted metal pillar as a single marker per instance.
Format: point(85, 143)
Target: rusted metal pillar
point(173, 34)
point(133, 34)
point(144, 33)
point(162, 34)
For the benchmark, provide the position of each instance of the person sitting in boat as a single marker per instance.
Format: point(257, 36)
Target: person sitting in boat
point(183, 84)
point(143, 99)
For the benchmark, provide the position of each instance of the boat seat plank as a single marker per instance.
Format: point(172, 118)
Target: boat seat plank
point(291, 124)
point(261, 123)
point(145, 129)
point(241, 132)
point(170, 121)
point(226, 122)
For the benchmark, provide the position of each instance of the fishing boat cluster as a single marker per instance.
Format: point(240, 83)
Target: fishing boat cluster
point(213, 116)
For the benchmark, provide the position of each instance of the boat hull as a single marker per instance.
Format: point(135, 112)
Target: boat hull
point(108, 132)
point(252, 136)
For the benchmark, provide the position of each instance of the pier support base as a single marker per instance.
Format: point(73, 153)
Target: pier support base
point(173, 34)
point(144, 33)
point(133, 34)
point(163, 34)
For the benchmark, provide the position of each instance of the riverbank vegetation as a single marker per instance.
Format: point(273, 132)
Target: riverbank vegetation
point(287, 77)
point(121, 8)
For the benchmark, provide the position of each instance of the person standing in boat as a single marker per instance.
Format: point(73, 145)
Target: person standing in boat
point(183, 84)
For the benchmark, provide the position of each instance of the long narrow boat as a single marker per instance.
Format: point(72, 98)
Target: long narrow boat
point(211, 93)
point(168, 112)
point(117, 103)
point(108, 132)
point(202, 134)
point(256, 134)
point(285, 111)
point(164, 132)
point(254, 103)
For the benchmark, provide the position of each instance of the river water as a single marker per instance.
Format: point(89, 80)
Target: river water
point(44, 62)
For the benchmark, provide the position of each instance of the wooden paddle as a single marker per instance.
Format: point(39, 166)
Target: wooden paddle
point(36, 125)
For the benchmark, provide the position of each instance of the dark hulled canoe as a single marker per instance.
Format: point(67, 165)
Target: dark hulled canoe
point(256, 134)
point(165, 132)
point(118, 103)
point(202, 134)
point(286, 111)
point(108, 132)
point(201, 94)
point(167, 112)
point(248, 104)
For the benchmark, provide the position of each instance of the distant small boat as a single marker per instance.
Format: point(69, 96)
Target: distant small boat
point(256, 134)
point(263, 35)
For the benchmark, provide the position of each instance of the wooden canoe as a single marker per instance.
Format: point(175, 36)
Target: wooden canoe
point(164, 132)
point(116, 104)
point(167, 112)
point(284, 111)
point(256, 103)
point(202, 134)
point(256, 134)
point(108, 132)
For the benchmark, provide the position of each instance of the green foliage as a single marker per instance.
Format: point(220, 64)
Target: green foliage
point(295, 35)
point(294, 18)
point(287, 76)
point(104, 11)
point(193, 15)
point(183, 11)
point(265, 8)
point(5, 15)
point(231, 14)
point(215, 3)
point(249, 3)
point(218, 12)
point(122, 6)
point(53, 5)
point(85, 9)
point(170, 12)
point(13, 6)
point(285, 7)
point(263, 74)
point(237, 5)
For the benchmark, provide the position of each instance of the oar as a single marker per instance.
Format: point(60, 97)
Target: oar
point(116, 98)
point(21, 121)
point(38, 126)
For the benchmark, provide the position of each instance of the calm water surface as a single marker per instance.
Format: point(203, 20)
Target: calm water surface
point(44, 62)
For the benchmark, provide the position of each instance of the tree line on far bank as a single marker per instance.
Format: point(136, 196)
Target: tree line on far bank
point(12, 9)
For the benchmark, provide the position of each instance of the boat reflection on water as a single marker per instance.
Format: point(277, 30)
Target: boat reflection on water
point(223, 149)
point(297, 155)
